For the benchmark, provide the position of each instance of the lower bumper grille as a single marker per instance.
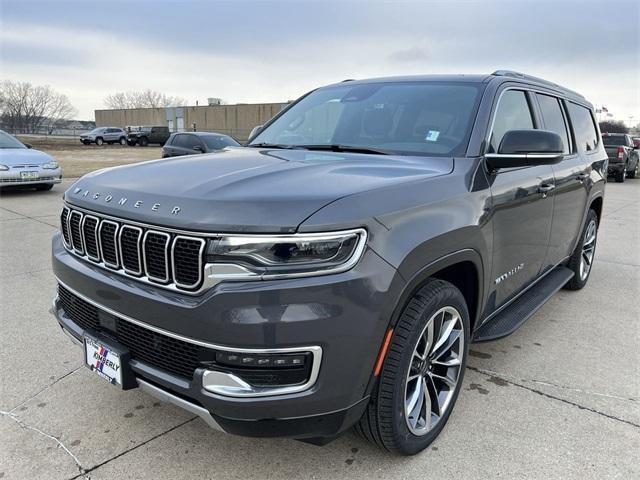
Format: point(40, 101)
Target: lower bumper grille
point(175, 356)
point(163, 352)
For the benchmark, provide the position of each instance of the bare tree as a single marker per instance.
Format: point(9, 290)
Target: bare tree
point(25, 108)
point(142, 99)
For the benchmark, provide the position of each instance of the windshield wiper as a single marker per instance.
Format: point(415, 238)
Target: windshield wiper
point(345, 148)
point(273, 145)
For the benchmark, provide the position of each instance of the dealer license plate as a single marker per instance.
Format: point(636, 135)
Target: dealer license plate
point(102, 360)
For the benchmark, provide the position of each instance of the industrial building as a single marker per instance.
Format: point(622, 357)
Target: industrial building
point(234, 120)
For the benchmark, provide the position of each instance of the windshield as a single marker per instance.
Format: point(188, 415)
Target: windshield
point(96, 130)
point(7, 141)
point(217, 142)
point(614, 140)
point(410, 118)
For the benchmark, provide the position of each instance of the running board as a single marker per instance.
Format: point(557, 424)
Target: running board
point(522, 308)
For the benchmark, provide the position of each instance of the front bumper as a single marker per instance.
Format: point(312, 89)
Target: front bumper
point(13, 176)
point(346, 315)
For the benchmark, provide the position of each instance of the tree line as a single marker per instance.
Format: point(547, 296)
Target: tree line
point(27, 108)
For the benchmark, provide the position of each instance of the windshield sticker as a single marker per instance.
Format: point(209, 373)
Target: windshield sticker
point(432, 136)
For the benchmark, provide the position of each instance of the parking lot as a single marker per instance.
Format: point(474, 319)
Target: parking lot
point(560, 398)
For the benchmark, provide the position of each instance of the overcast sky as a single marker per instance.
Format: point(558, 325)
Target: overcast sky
point(274, 51)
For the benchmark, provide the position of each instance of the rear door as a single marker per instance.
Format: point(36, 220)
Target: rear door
point(522, 204)
point(573, 174)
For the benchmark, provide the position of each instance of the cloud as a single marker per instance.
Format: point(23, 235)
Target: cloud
point(409, 55)
point(278, 51)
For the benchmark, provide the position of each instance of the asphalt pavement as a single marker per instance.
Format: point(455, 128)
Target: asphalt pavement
point(560, 398)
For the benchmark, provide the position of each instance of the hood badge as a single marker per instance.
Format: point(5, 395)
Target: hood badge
point(155, 207)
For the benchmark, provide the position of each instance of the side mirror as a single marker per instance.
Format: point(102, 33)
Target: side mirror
point(28, 145)
point(255, 131)
point(521, 148)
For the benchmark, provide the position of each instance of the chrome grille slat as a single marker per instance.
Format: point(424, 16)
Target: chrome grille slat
point(168, 260)
point(155, 255)
point(75, 221)
point(90, 237)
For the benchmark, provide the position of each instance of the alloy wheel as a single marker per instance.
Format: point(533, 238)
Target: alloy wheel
point(588, 250)
point(434, 371)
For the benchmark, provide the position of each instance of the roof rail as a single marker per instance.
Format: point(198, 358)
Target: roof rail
point(524, 76)
point(348, 80)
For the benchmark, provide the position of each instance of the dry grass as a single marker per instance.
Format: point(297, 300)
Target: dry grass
point(77, 159)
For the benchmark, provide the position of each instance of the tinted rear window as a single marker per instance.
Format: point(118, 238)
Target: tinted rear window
point(614, 140)
point(583, 127)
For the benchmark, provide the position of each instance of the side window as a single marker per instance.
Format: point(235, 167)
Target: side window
point(180, 141)
point(513, 113)
point(584, 128)
point(188, 141)
point(553, 118)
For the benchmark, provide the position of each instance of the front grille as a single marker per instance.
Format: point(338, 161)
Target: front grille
point(169, 260)
point(23, 180)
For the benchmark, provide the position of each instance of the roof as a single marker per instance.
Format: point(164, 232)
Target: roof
point(504, 75)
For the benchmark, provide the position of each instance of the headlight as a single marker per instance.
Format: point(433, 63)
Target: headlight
point(258, 256)
point(3, 168)
point(50, 165)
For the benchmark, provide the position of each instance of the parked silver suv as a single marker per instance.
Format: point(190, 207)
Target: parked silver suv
point(103, 135)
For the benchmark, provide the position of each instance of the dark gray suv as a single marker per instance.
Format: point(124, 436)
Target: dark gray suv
point(334, 272)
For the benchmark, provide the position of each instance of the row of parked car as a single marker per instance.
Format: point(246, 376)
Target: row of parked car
point(174, 144)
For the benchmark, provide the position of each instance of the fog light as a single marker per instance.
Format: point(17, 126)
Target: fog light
point(267, 360)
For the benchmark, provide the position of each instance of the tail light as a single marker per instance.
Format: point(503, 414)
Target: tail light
point(620, 153)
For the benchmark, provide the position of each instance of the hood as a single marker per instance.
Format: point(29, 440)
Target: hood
point(242, 189)
point(20, 156)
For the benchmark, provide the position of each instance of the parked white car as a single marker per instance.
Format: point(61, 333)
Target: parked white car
point(21, 165)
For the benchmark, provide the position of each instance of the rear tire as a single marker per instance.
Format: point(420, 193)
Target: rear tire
point(633, 173)
point(123, 141)
point(432, 329)
point(581, 260)
point(99, 141)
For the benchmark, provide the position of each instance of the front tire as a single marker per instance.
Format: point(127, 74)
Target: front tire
point(581, 259)
point(99, 141)
point(422, 373)
point(143, 141)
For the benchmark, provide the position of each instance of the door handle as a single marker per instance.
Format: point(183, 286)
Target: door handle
point(583, 176)
point(545, 188)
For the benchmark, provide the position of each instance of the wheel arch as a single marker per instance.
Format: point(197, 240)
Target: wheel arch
point(463, 268)
point(596, 204)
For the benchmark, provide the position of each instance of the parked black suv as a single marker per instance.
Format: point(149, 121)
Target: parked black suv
point(335, 271)
point(144, 136)
point(193, 143)
point(623, 155)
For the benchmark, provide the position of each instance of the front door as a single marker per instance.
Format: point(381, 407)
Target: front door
point(522, 209)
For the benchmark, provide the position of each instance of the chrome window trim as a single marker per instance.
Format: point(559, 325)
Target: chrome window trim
point(166, 256)
point(203, 244)
point(115, 243)
point(315, 350)
point(80, 250)
point(138, 243)
point(84, 240)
